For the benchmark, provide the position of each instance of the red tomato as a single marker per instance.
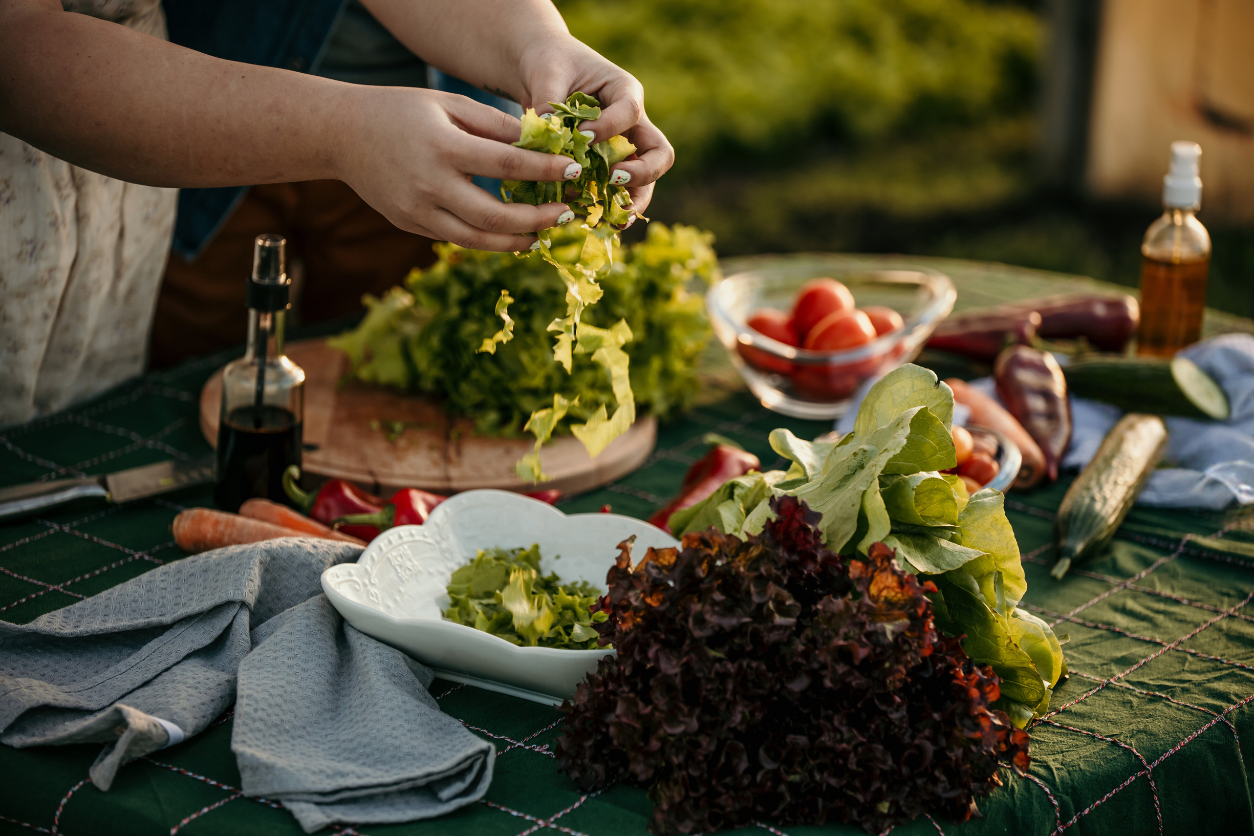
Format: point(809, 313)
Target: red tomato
point(840, 330)
point(816, 299)
point(981, 467)
point(774, 324)
point(963, 443)
point(972, 485)
point(826, 383)
point(884, 319)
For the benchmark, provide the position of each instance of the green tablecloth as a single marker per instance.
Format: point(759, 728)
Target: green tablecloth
point(1146, 737)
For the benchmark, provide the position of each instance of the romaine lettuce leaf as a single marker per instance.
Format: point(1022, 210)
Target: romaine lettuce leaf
point(901, 389)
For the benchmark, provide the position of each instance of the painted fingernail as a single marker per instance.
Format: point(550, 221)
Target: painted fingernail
point(630, 221)
point(565, 218)
point(620, 178)
point(589, 134)
point(535, 245)
point(572, 171)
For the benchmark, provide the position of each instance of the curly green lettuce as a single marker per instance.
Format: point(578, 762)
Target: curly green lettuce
point(501, 591)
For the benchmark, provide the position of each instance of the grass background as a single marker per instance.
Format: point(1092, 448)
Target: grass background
point(880, 126)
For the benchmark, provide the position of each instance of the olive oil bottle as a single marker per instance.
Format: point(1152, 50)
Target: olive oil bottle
point(263, 393)
point(1175, 261)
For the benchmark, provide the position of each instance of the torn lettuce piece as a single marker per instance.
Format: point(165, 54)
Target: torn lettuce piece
point(606, 348)
point(541, 425)
point(502, 592)
point(507, 330)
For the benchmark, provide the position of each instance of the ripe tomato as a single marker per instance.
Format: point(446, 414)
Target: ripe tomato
point(774, 324)
point(884, 319)
point(972, 485)
point(826, 383)
point(981, 467)
point(843, 329)
point(817, 299)
point(963, 443)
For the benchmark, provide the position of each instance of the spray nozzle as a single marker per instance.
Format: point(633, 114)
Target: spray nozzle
point(1182, 187)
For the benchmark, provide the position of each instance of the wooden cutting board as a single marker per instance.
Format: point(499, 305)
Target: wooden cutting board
point(435, 453)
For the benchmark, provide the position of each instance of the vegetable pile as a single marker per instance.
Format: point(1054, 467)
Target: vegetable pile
point(881, 483)
point(501, 591)
point(769, 678)
point(824, 317)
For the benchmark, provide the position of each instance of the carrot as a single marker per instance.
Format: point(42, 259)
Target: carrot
point(272, 512)
point(201, 529)
point(986, 412)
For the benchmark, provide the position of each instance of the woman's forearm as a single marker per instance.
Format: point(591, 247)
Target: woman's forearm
point(479, 41)
point(133, 107)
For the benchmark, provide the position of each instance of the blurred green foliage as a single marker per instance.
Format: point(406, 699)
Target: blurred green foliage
point(758, 76)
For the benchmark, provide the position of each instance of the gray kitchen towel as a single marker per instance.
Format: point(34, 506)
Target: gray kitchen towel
point(338, 723)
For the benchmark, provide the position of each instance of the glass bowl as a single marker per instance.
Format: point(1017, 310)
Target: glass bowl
point(818, 384)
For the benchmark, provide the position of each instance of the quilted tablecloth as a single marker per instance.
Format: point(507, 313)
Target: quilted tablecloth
point(1147, 735)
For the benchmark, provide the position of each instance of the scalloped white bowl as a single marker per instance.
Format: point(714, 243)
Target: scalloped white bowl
point(397, 589)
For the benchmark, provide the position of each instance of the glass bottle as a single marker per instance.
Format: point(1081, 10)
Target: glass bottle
point(1175, 261)
point(263, 393)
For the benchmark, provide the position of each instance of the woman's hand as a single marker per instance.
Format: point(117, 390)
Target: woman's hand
point(411, 153)
point(554, 69)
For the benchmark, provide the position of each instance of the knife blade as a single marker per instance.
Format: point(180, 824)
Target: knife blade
point(123, 486)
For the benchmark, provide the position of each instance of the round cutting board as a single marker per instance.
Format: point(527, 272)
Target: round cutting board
point(435, 453)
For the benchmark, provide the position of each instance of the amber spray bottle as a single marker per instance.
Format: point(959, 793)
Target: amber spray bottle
point(1175, 261)
point(263, 393)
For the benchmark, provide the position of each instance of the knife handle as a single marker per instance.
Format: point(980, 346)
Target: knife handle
point(21, 500)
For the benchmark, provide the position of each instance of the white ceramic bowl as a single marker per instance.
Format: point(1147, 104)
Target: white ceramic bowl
point(397, 589)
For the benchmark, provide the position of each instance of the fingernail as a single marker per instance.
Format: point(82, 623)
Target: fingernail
point(589, 134)
point(620, 178)
point(535, 245)
point(572, 171)
point(630, 221)
point(565, 218)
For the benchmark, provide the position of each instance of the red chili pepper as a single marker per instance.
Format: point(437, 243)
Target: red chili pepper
point(706, 475)
point(408, 506)
point(981, 335)
point(550, 496)
point(333, 500)
point(1032, 386)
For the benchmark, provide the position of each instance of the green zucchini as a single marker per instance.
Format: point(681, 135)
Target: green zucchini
point(1102, 495)
point(1173, 386)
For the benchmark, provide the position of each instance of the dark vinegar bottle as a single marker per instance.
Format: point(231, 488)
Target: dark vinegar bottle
point(263, 393)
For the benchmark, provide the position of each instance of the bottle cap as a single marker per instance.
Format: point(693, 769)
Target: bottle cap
point(268, 285)
point(1182, 187)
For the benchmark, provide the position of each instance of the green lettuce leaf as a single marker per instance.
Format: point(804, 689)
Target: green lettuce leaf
point(920, 499)
point(848, 471)
point(606, 348)
point(929, 447)
point(729, 508)
point(901, 389)
point(541, 424)
point(983, 526)
point(988, 639)
point(507, 330)
point(930, 554)
point(501, 591)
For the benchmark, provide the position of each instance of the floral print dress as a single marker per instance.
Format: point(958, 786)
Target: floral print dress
point(81, 259)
